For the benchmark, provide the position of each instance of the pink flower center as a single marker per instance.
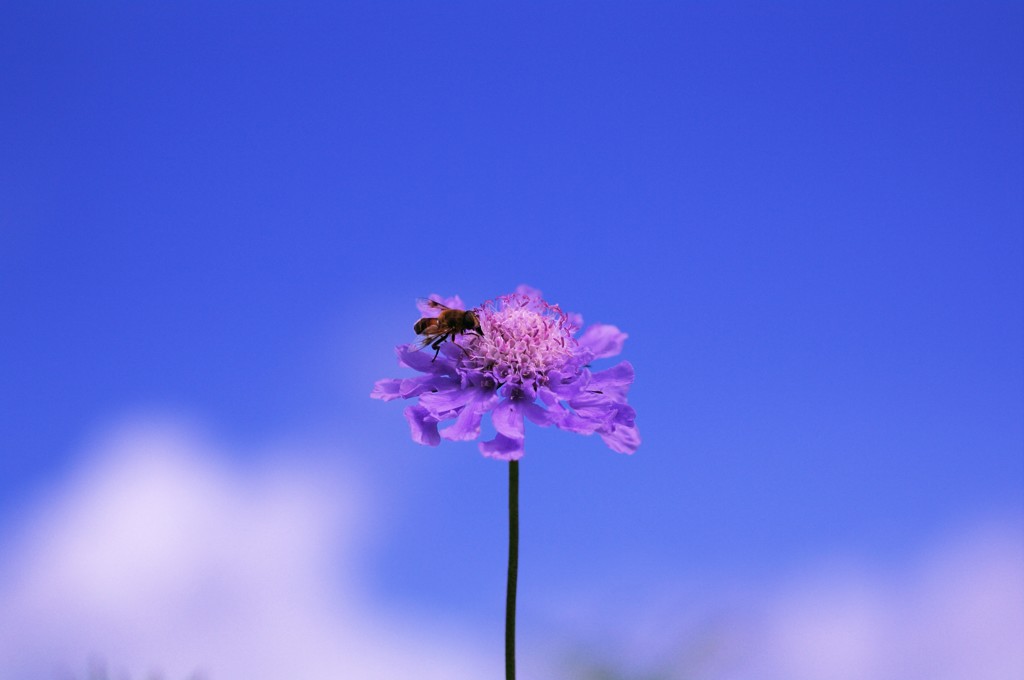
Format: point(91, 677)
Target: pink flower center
point(522, 340)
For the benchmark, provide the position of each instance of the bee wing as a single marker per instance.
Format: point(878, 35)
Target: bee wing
point(432, 304)
point(435, 304)
point(430, 308)
point(430, 336)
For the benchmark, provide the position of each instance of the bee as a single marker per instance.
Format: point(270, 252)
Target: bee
point(449, 323)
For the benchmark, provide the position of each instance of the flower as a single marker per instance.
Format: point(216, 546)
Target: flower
point(527, 362)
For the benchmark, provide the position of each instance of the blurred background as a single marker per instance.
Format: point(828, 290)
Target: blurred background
point(215, 219)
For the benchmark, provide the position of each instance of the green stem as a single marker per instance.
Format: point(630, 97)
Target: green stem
point(513, 569)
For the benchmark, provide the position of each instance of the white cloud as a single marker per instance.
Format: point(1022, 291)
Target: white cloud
point(158, 555)
point(951, 612)
point(956, 612)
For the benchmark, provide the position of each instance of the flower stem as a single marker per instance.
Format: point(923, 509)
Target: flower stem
point(513, 569)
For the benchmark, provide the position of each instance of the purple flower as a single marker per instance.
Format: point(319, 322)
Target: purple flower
point(527, 363)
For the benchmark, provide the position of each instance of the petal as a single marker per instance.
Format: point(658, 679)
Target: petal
point(625, 415)
point(513, 389)
point(573, 422)
point(567, 385)
point(502, 448)
point(537, 414)
point(603, 340)
point(386, 389)
point(596, 412)
point(592, 403)
point(452, 349)
point(547, 396)
point(622, 439)
point(422, 425)
point(440, 403)
point(466, 427)
point(616, 379)
point(410, 356)
point(413, 387)
point(508, 419)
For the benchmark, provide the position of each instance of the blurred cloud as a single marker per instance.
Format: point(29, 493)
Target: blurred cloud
point(953, 611)
point(160, 557)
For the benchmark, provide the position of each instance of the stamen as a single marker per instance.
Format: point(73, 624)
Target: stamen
point(522, 339)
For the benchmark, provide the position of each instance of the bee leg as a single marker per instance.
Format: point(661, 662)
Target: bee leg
point(437, 346)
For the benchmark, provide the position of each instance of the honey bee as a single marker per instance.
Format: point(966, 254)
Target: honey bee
point(449, 323)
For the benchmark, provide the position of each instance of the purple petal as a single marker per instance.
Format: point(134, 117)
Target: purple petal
point(573, 422)
point(423, 426)
point(467, 426)
point(567, 385)
point(526, 391)
point(413, 387)
point(440, 403)
point(386, 389)
point(536, 414)
point(594, 412)
point(603, 340)
point(452, 349)
point(508, 419)
point(593, 403)
point(624, 415)
point(622, 439)
point(614, 380)
point(502, 448)
point(547, 396)
point(424, 361)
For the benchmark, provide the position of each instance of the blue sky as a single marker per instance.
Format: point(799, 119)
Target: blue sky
point(808, 217)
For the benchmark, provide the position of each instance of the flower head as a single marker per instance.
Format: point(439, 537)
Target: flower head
point(528, 361)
